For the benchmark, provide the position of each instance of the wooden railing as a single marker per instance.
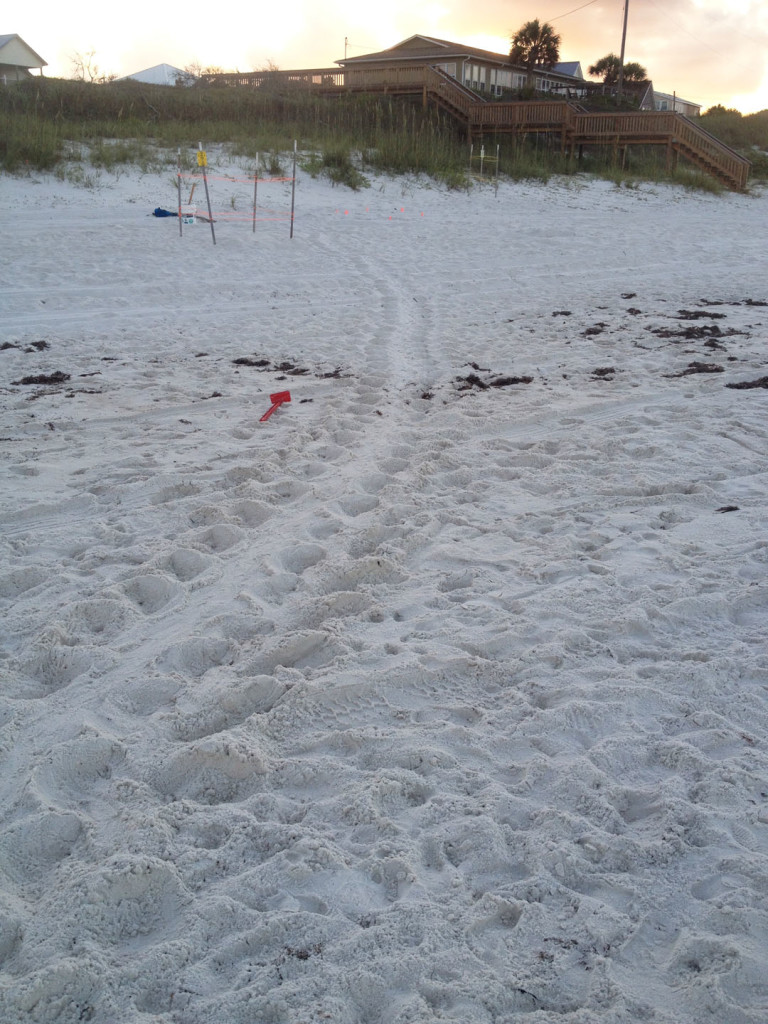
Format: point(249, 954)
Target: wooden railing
point(410, 76)
point(666, 126)
point(452, 92)
point(257, 79)
point(691, 136)
point(545, 113)
point(575, 126)
point(635, 123)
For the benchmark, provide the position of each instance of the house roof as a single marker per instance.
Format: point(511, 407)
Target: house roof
point(160, 74)
point(420, 47)
point(13, 50)
point(570, 67)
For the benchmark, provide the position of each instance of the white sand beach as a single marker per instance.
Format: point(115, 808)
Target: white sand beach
point(440, 696)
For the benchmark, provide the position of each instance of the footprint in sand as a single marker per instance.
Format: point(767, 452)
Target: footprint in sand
point(186, 563)
point(151, 593)
point(53, 666)
point(198, 655)
point(78, 768)
point(324, 526)
point(97, 621)
point(310, 649)
point(220, 538)
point(173, 492)
point(250, 513)
point(38, 842)
point(393, 465)
point(130, 898)
point(287, 490)
point(358, 504)
point(300, 557)
point(228, 706)
point(75, 983)
point(21, 581)
point(11, 932)
point(369, 570)
point(217, 769)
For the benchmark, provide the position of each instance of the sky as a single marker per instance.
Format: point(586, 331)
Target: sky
point(706, 51)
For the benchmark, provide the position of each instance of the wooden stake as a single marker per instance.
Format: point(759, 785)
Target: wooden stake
point(202, 159)
point(293, 187)
point(178, 188)
point(255, 187)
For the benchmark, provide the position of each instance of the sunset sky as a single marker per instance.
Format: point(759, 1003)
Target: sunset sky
point(707, 51)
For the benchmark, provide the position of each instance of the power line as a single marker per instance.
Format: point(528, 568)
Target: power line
point(575, 9)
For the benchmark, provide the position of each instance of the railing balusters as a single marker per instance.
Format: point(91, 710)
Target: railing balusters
point(658, 127)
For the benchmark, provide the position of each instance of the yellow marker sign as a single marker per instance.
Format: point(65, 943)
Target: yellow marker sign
point(202, 158)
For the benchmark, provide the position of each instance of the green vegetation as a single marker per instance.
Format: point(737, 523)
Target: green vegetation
point(610, 67)
point(535, 45)
point(45, 122)
point(78, 129)
point(745, 133)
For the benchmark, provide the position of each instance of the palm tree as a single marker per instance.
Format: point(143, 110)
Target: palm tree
point(608, 69)
point(535, 45)
point(634, 72)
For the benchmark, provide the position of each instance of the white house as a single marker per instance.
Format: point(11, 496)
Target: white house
point(160, 74)
point(17, 60)
point(671, 101)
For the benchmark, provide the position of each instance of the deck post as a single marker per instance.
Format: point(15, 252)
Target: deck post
point(671, 162)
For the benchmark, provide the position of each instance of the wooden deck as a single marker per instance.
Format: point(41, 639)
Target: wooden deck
point(574, 126)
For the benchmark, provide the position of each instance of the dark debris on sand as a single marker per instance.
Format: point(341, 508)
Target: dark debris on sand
point(58, 377)
point(472, 380)
point(696, 333)
point(747, 385)
point(289, 368)
point(597, 328)
point(696, 367)
point(698, 314)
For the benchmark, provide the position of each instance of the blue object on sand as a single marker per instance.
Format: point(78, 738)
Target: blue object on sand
point(158, 212)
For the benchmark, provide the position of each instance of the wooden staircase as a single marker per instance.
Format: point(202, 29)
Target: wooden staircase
point(575, 126)
point(680, 135)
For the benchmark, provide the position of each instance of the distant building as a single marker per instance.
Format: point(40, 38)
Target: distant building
point(671, 101)
point(161, 74)
point(17, 60)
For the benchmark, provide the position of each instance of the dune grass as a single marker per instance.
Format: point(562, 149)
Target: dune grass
point(48, 123)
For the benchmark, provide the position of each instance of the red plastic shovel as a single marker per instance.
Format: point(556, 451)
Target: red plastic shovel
point(276, 400)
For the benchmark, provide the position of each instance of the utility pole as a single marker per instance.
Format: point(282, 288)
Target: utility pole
point(620, 88)
point(346, 41)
